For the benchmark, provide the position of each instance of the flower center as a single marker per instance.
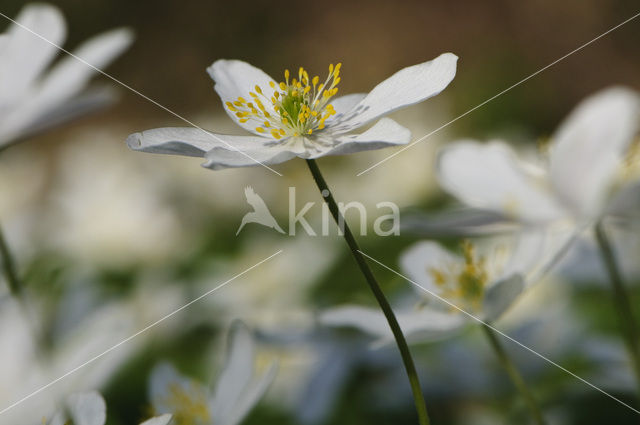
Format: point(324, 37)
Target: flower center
point(189, 407)
point(301, 104)
point(464, 282)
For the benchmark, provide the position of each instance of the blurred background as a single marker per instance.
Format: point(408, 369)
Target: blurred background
point(108, 240)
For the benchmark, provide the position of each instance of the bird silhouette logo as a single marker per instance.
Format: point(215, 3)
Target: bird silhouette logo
point(260, 213)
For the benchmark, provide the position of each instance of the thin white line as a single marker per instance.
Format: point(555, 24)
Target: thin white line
point(500, 332)
point(124, 341)
point(137, 92)
point(497, 95)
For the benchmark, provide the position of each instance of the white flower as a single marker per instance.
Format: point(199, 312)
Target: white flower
point(236, 392)
point(483, 284)
point(90, 409)
point(299, 116)
point(32, 98)
point(586, 155)
point(82, 409)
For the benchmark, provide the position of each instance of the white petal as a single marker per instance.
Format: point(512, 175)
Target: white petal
point(418, 326)
point(500, 296)
point(589, 147)
point(252, 396)
point(163, 377)
point(236, 374)
point(71, 75)
point(158, 420)
point(417, 261)
point(344, 104)
point(235, 79)
point(25, 55)
point(536, 251)
point(87, 409)
point(190, 141)
point(262, 154)
point(406, 87)
point(489, 176)
point(457, 222)
point(383, 134)
point(62, 84)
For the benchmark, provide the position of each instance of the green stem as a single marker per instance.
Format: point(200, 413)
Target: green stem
point(514, 375)
point(621, 299)
point(377, 292)
point(9, 269)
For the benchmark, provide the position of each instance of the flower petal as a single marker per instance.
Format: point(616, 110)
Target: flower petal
point(25, 55)
point(500, 296)
point(406, 87)
point(417, 261)
point(252, 396)
point(489, 176)
point(71, 75)
point(233, 79)
point(457, 222)
point(236, 374)
point(62, 84)
point(417, 325)
point(590, 145)
point(164, 377)
point(270, 153)
point(87, 409)
point(344, 104)
point(158, 420)
point(384, 133)
point(190, 141)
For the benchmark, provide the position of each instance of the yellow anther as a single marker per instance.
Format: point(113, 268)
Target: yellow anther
point(276, 94)
point(260, 129)
point(275, 133)
point(310, 131)
point(272, 84)
point(283, 86)
point(243, 120)
point(330, 68)
point(267, 124)
point(315, 80)
point(241, 100)
point(282, 132)
point(286, 74)
point(306, 90)
point(258, 89)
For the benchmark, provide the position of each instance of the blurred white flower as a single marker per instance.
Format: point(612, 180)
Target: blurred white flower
point(236, 393)
point(81, 332)
point(32, 98)
point(82, 409)
point(112, 215)
point(297, 117)
point(483, 283)
point(586, 155)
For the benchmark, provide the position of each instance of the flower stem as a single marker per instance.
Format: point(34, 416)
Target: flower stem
point(628, 326)
point(8, 268)
point(513, 373)
point(377, 292)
